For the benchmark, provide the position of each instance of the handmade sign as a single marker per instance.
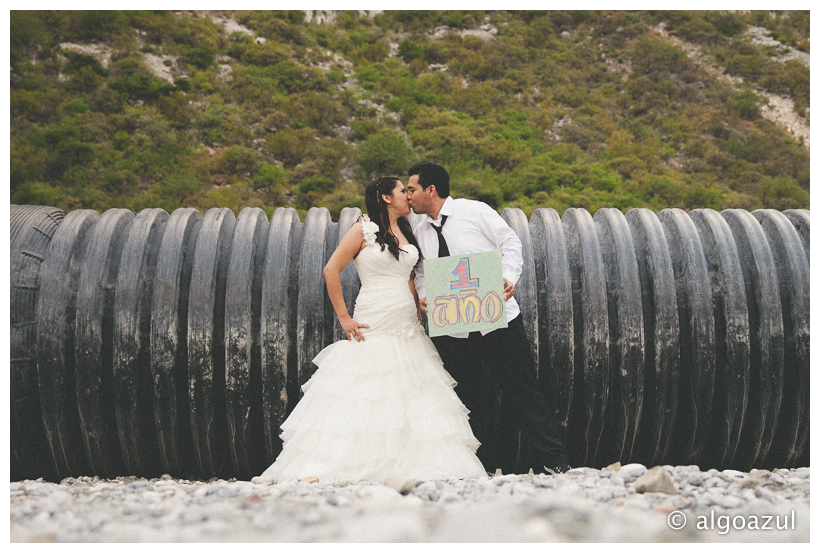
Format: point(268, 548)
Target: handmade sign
point(465, 293)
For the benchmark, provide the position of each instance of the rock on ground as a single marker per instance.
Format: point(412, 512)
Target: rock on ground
point(586, 505)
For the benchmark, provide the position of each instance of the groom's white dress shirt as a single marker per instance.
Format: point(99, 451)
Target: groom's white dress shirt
point(471, 227)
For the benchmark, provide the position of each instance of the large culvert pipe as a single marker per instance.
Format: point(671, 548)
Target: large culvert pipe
point(152, 343)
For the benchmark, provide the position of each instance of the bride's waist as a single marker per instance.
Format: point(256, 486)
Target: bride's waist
point(385, 295)
point(384, 284)
point(378, 309)
point(385, 308)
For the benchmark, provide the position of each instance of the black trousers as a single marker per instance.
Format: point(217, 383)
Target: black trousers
point(503, 356)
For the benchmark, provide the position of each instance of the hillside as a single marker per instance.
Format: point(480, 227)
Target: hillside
point(528, 109)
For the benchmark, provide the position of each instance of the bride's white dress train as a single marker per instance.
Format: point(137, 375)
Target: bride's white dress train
point(382, 410)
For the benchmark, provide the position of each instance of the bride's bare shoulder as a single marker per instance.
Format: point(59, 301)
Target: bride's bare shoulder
point(357, 230)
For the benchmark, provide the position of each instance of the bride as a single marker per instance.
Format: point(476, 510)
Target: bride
point(380, 407)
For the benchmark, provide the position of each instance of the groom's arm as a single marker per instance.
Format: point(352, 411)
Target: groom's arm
point(412, 285)
point(497, 231)
point(418, 279)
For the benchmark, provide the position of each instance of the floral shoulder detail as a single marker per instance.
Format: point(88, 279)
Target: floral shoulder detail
point(369, 230)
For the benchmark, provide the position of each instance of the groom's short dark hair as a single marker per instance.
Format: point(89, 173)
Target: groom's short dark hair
point(430, 172)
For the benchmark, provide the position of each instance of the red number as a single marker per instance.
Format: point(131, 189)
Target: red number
point(462, 271)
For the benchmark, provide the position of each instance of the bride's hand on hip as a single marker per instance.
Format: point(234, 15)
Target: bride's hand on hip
point(351, 329)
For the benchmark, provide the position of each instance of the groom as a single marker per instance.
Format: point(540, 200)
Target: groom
point(462, 226)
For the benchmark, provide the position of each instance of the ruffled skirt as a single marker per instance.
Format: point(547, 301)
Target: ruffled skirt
point(382, 410)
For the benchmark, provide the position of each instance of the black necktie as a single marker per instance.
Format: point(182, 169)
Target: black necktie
point(443, 250)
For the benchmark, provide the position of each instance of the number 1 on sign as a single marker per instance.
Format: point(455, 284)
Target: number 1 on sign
point(462, 271)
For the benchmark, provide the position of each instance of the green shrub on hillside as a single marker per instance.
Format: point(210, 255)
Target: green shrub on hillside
point(558, 109)
point(384, 153)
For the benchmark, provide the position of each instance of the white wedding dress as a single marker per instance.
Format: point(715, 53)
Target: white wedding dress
point(382, 410)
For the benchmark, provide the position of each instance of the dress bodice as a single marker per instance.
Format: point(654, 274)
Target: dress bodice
point(377, 267)
point(385, 302)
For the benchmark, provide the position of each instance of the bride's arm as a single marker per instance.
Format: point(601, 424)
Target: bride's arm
point(349, 247)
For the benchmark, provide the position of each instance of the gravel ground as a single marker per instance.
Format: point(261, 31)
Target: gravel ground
point(584, 505)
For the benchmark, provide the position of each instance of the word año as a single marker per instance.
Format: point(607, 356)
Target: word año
point(466, 307)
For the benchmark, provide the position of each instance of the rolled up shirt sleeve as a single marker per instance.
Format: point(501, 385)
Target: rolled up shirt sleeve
point(496, 229)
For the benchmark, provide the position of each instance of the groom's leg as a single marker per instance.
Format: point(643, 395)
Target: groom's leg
point(508, 352)
point(457, 356)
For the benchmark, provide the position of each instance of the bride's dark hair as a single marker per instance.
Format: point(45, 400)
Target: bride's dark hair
point(377, 211)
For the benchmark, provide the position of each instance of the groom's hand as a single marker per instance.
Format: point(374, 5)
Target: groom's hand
point(423, 304)
point(509, 289)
